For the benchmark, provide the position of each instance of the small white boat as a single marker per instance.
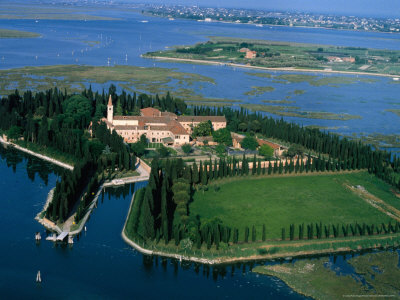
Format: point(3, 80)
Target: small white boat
point(396, 78)
point(38, 277)
point(144, 21)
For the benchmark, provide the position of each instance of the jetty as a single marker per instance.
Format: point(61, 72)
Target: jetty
point(58, 238)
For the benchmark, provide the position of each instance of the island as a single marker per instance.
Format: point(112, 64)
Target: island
point(293, 191)
point(286, 56)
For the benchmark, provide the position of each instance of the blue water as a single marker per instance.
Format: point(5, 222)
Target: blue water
point(64, 42)
point(99, 265)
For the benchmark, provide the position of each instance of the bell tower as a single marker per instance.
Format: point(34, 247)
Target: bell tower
point(110, 110)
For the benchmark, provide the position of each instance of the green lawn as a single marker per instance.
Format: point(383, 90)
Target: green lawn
point(279, 201)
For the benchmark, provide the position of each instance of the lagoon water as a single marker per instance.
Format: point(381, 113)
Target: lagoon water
point(100, 264)
point(121, 42)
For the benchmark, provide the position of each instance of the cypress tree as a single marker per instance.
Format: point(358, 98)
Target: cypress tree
point(235, 235)
point(254, 168)
point(301, 231)
point(264, 233)
point(195, 173)
point(259, 167)
point(253, 234)
point(246, 234)
point(291, 232)
point(217, 236)
point(148, 219)
point(283, 234)
point(204, 176)
point(209, 240)
point(164, 210)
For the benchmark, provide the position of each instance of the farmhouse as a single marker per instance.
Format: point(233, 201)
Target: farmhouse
point(251, 54)
point(157, 126)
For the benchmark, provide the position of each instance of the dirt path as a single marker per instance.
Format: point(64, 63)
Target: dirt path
point(318, 242)
point(375, 202)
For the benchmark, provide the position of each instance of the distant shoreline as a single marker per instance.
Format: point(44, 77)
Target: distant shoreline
point(289, 69)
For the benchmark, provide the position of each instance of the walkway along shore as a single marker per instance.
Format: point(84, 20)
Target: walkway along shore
point(41, 156)
point(66, 226)
point(210, 62)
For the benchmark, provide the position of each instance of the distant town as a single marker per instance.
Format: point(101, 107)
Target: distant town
point(264, 17)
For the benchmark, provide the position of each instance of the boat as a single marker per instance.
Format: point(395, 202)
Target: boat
point(38, 277)
point(144, 21)
point(396, 78)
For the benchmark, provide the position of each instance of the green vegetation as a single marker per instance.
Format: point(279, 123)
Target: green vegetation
point(222, 136)
point(395, 111)
point(249, 143)
point(266, 151)
point(259, 90)
point(318, 81)
point(280, 201)
point(202, 129)
point(299, 92)
point(291, 56)
point(7, 33)
point(73, 77)
point(187, 148)
point(48, 151)
point(293, 111)
point(277, 101)
point(342, 209)
point(316, 279)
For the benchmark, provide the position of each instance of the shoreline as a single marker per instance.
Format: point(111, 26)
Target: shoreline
point(143, 176)
point(258, 257)
point(41, 156)
point(268, 25)
point(289, 69)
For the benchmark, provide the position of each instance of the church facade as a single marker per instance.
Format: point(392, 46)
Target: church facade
point(157, 126)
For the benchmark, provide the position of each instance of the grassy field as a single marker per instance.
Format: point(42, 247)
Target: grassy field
point(8, 33)
point(280, 201)
point(316, 279)
point(272, 54)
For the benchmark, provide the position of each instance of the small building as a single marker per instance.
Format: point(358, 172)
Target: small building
point(349, 59)
point(189, 122)
point(237, 140)
point(278, 149)
point(244, 50)
point(251, 54)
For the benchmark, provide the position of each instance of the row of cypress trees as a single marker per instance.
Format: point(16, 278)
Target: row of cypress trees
point(319, 230)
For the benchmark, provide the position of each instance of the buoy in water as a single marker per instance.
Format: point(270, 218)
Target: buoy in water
point(38, 277)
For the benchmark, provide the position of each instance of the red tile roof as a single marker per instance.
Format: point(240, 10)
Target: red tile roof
point(201, 118)
point(150, 112)
point(272, 145)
